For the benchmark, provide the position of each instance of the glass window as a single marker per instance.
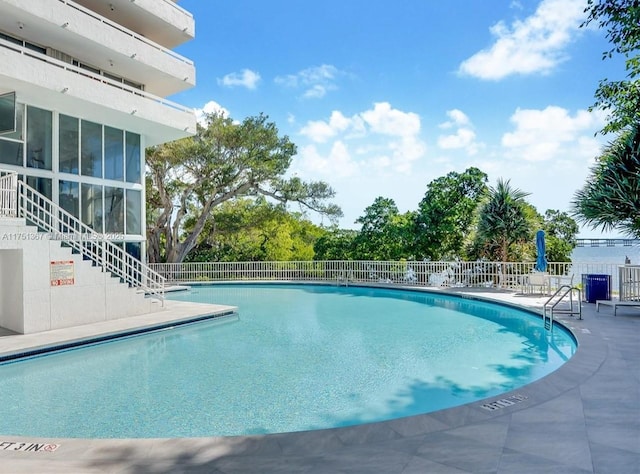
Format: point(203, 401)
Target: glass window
point(39, 133)
point(113, 209)
point(18, 134)
point(69, 144)
point(113, 153)
point(91, 206)
point(91, 149)
point(133, 157)
point(134, 249)
point(134, 212)
point(7, 113)
point(11, 152)
point(69, 196)
point(42, 185)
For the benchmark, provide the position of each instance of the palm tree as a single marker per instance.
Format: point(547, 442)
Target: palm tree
point(611, 196)
point(503, 221)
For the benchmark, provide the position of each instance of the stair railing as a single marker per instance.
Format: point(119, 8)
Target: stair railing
point(17, 199)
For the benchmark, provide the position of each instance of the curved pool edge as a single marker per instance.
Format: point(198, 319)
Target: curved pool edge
point(252, 450)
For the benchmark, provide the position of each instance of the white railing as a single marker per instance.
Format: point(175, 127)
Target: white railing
point(510, 275)
point(629, 286)
point(49, 217)
point(8, 200)
point(127, 31)
point(98, 77)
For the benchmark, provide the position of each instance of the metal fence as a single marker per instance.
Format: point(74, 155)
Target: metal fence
point(629, 278)
point(509, 275)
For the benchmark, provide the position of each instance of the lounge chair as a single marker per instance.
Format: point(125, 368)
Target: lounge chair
point(615, 304)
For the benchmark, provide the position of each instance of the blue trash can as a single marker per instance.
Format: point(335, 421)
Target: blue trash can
point(596, 287)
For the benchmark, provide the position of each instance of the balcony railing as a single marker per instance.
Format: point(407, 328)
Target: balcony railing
point(127, 31)
point(86, 73)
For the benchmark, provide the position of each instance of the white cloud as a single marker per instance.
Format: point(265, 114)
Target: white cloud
point(384, 139)
point(458, 118)
point(463, 138)
point(553, 134)
point(246, 78)
point(338, 163)
point(210, 107)
point(533, 45)
point(320, 131)
point(388, 121)
point(316, 81)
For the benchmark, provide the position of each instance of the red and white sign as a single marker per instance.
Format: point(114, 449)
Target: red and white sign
point(62, 273)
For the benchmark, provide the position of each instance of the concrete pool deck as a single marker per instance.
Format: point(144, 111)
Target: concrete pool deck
point(583, 418)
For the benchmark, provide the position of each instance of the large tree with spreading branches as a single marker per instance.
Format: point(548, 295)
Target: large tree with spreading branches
point(187, 179)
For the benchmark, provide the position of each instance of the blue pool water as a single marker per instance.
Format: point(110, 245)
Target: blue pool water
point(295, 358)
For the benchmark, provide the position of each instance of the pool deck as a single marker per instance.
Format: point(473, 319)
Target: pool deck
point(583, 418)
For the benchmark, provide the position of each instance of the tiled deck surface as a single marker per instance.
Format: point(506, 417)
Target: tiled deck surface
point(583, 418)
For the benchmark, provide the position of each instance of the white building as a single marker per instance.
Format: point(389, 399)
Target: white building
point(89, 78)
point(82, 87)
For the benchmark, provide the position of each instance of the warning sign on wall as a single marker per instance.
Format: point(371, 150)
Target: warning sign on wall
point(62, 273)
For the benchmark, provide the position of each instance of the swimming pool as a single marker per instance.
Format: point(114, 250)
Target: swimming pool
point(297, 357)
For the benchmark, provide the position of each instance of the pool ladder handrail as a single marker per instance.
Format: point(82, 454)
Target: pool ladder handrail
point(343, 278)
point(549, 307)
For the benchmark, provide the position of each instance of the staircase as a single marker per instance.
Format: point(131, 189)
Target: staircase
point(57, 272)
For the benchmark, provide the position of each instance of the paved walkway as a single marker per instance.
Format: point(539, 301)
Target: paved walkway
point(583, 418)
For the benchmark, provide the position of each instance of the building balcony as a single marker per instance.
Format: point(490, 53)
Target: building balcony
point(76, 34)
point(162, 21)
point(49, 83)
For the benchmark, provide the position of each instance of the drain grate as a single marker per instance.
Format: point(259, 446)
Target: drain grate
point(504, 402)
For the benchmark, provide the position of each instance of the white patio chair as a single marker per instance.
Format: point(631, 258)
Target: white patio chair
point(538, 280)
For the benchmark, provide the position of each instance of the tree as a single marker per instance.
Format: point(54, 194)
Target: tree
point(385, 233)
point(255, 230)
point(224, 160)
point(503, 221)
point(447, 213)
point(335, 244)
point(621, 19)
point(561, 230)
point(611, 197)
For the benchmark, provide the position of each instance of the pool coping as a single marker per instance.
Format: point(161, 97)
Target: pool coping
point(591, 353)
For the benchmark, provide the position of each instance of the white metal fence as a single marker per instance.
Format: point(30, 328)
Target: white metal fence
point(629, 278)
point(509, 275)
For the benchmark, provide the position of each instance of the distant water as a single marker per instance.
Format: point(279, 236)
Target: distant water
point(602, 260)
point(613, 255)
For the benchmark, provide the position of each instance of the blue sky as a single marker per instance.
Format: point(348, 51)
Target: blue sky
point(383, 97)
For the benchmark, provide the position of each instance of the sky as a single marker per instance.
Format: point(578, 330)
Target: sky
point(383, 97)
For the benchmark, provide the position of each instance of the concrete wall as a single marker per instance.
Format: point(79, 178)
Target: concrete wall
point(11, 291)
point(30, 302)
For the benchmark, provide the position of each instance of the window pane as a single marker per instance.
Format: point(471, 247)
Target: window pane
point(69, 193)
point(11, 153)
point(134, 249)
point(42, 185)
point(91, 206)
point(133, 157)
point(113, 153)
point(18, 134)
point(39, 131)
point(134, 212)
point(69, 144)
point(8, 113)
point(114, 209)
point(91, 149)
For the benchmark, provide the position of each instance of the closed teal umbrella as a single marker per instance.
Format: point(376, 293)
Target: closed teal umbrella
point(541, 260)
